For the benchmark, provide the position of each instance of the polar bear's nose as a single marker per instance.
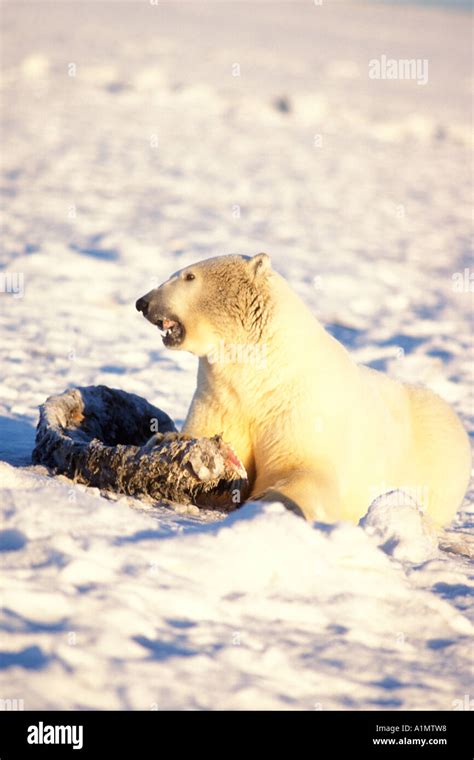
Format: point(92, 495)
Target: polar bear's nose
point(142, 305)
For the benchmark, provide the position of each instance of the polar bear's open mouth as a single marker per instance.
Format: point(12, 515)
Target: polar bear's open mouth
point(172, 331)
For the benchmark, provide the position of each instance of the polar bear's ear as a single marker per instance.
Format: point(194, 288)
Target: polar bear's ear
point(260, 263)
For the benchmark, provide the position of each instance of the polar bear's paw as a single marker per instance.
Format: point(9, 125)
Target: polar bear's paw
point(399, 527)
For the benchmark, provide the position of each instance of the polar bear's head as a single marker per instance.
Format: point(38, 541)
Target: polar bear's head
point(224, 298)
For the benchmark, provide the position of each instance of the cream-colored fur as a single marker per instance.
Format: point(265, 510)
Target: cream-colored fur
point(313, 428)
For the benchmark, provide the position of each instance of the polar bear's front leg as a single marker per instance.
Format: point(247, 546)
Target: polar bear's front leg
point(207, 418)
point(306, 493)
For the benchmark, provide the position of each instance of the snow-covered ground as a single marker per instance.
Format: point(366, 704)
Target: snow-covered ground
point(138, 138)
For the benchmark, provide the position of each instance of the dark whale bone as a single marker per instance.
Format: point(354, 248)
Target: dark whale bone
point(117, 441)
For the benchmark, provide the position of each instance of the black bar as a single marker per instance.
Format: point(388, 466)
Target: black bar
point(387, 734)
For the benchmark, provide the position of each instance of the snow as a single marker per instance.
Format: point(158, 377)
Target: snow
point(152, 156)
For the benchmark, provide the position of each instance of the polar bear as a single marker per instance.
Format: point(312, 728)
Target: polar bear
point(313, 428)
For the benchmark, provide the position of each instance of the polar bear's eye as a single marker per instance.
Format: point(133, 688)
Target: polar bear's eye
point(189, 276)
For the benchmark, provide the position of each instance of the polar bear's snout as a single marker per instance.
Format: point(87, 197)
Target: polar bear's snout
point(154, 311)
point(142, 305)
